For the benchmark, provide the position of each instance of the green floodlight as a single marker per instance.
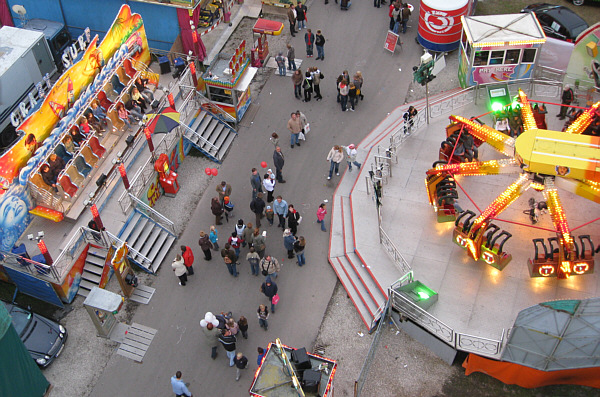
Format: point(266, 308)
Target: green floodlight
point(419, 294)
point(423, 295)
point(497, 106)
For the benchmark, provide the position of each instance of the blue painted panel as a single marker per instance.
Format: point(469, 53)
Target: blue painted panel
point(46, 9)
point(35, 287)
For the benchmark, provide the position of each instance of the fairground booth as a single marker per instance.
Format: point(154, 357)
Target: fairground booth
point(77, 128)
point(498, 48)
point(285, 371)
point(227, 81)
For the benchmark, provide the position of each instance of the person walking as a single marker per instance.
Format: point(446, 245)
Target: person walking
point(291, 57)
point(256, 183)
point(566, 99)
point(291, 14)
point(179, 387)
point(321, 212)
point(280, 207)
point(230, 260)
point(213, 236)
point(241, 362)
point(269, 288)
point(257, 205)
point(224, 190)
point(205, 245)
point(188, 258)
point(294, 126)
point(253, 259)
point(404, 16)
point(344, 90)
point(279, 162)
point(247, 235)
point(293, 219)
point(351, 153)
point(235, 242)
point(180, 270)
point(320, 44)
point(308, 90)
point(303, 120)
point(299, 245)
point(217, 209)
point(259, 241)
point(263, 320)
point(335, 157)
point(269, 185)
point(280, 60)
point(288, 242)
point(297, 81)
point(317, 76)
point(269, 266)
point(228, 341)
point(309, 39)
point(243, 326)
point(301, 15)
point(211, 338)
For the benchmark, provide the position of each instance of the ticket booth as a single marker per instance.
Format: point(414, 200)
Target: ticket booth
point(166, 177)
point(260, 51)
point(497, 48)
point(102, 306)
point(227, 82)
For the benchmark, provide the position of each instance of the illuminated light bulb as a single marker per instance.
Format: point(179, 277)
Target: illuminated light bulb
point(423, 295)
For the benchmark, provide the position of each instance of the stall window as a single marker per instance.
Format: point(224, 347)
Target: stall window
point(512, 57)
point(220, 95)
point(481, 58)
point(528, 55)
point(497, 57)
point(468, 51)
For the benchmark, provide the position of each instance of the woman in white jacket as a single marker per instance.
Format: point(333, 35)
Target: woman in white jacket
point(335, 156)
point(180, 270)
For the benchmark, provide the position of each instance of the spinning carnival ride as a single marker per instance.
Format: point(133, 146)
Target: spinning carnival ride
point(543, 159)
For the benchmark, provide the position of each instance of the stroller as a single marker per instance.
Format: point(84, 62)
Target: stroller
point(345, 4)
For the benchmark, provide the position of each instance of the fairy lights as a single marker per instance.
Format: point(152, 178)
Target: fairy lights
point(493, 137)
point(526, 113)
point(501, 202)
point(582, 122)
point(558, 215)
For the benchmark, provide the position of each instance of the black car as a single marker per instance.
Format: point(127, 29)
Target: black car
point(43, 338)
point(558, 22)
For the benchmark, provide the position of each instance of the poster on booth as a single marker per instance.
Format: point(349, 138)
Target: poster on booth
point(42, 129)
point(584, 65)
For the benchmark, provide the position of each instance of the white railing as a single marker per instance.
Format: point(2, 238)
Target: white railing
point(156, 216)
point(139, 258)
point(399, 261)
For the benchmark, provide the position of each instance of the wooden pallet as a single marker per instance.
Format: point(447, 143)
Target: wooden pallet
point(136, 342)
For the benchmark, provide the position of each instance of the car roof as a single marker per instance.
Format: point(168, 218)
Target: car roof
point(566, 16)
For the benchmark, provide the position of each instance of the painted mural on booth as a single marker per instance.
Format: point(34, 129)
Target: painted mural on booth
point(584, 65)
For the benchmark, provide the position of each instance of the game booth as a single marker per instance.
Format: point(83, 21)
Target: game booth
point(285, 371)
point(262, 28)
point(497, 48)
point(227, 81)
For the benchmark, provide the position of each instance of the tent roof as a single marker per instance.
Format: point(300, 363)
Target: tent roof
point(503, 28)
point(556, 335)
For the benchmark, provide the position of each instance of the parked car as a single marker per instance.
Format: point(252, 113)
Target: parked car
point(558, 22)
point(43, 337)
point(580, 2)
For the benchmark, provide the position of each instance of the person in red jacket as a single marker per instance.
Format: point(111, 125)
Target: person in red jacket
point(188, 258)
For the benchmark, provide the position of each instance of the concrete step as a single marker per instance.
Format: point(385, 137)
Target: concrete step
point(224, 148)
point(160, 240)
point(336, 244)
point(364, 276)
point(347, 224)
point(162, 253)
point(139, 228)
point(150, 241)
point(91, 277)
point(340, 266)
point(95, 260)
point(129, 226)
point(93, 268)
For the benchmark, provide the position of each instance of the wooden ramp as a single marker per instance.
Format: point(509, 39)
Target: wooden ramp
point(142, 294)
point(136, 342)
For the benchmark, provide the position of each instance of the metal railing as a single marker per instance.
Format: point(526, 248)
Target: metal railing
point(146, 173)
point(38, 270)
point(362, 377)
point(139, 258)
point(399, 261)
point(201, 138)
point(156, 216)
point(43, 197)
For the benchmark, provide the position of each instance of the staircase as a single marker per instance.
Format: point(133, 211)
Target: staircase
point(92, 270)
point(209, 134)
point(148, 241)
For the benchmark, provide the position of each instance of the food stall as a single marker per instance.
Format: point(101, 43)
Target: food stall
point(285, 371)
point(261, 29)
point(496, 48)
point(227, 82)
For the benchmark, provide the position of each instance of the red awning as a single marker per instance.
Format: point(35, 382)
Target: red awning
point(267, 26)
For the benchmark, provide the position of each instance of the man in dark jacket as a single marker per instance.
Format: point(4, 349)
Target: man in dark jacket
point(228, 341)
point(269, 288)
point(256, 183)
point(291, 14)
point(320, 43)
point(258, 206)
point(57, 164)
point(279, 161)
point(567, 98)
point(217, 209)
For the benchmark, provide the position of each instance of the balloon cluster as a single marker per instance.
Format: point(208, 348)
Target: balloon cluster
point(211, 171)
point(209, 318)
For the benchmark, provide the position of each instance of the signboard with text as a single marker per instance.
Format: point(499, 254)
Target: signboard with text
point(391, 40)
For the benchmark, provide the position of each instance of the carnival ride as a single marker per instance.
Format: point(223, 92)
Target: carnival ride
point(543, 160)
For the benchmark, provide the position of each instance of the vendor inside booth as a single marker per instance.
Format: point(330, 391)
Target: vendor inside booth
point(227, 82)
point(496, 48)
point(261, 29)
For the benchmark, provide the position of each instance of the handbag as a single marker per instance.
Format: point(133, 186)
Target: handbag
point(300, 219)
point(301, 136)
point(275, 299)
point(307, 128)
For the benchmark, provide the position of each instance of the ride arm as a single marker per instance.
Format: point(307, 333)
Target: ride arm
point(499, 141)
point(582, 122)
point(526, 113)
point(491, 167)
